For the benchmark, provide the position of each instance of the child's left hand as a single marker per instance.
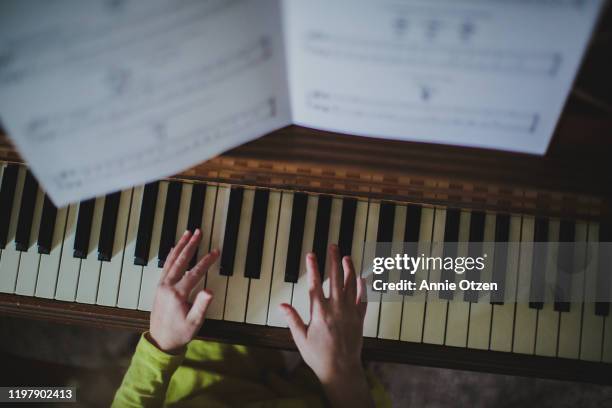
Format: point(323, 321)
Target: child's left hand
point(174, 321)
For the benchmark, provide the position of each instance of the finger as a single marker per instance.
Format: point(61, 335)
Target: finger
point(196, 314)
point(191, 278)
point(183, 258)
point(350, 281)
point(174, 251)
point(296, 325)
point(362, 297)
point(335, 273)
point(314, 279)
point(162, 277)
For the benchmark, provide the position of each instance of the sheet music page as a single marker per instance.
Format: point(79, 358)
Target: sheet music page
point(485, 73)
point(105, 94)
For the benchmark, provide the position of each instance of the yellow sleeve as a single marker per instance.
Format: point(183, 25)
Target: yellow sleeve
point(146, 380)
point(379, 395)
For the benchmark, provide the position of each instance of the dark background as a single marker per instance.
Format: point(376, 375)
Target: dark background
point(93, 360)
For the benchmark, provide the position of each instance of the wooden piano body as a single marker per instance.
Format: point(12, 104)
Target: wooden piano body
point(573, 181)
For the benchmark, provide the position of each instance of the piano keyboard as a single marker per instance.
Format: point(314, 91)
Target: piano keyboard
point(110, 251)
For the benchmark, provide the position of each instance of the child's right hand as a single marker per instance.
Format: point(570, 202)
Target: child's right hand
point(331, 343)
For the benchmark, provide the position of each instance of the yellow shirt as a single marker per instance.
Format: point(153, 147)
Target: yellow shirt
point(209, 374)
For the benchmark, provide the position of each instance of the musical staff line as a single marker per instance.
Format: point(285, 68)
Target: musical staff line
point(398, 111)
point(176, 146)
point(84, 51)
point(189, 84)
point(392, 53)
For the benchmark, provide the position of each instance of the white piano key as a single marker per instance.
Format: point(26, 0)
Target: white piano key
point(390, 320)
point(592, 325)
point(216, 282)
point(413, 315)
point(183, 211)
point(259, 289)
point(183, 214)
point(9, 262)
point(206, 227)
point(332, 237)
point(547, 330)
point(281, 291)
point(435, 309)
point(30, 259)
point(502, 323)
point(359, 234)
point(181, 222)
point(238, 284)
point(569, 326)
point(300, 299)
point(87, 288)
point(110, 273)
point(131, 275)
point(68, 276)
point(49, 264)
point(151, 272)
point(458, 309)
point(370, 324)
point(525, 317)
point(479, 329)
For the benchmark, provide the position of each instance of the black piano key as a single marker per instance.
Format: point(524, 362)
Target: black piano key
point(602, 308)
point(296, 237)
point(167, 238)
point(565, 264)
point(256, 234)
point(83, 228)
point(477, 227)
point(230, 239)
point(196, 209)
point(47, 226)
point(451, 236)
point(26, 213)
point(108, 226)
point(413, 223)
point(602, 305)
point(384, 234)
point(412, 230)
point(500, 262)
point(7, 199)
point(347, 226)
point(321, 233)
point(536, 290)
point(386, 217)
point(145, 223)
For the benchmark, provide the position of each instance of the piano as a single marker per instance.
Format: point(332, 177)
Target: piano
point(268, 202)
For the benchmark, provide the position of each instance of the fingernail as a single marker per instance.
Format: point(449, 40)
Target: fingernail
point(186, 233)
point(197, 231)
point(311, 256)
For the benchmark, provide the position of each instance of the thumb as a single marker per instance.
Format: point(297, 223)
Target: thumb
point(295, 323)
point(195, 316)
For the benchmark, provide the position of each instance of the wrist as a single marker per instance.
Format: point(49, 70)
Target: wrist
point(347, 386)
point(341, 370)
point(161, 345)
